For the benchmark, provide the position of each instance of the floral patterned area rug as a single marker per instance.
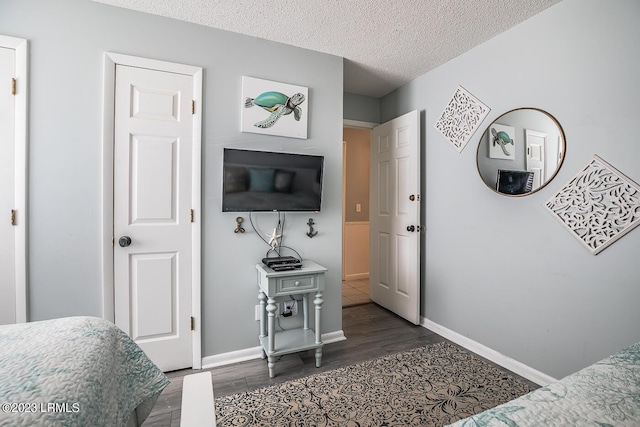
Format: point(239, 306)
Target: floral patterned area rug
point(429, 386)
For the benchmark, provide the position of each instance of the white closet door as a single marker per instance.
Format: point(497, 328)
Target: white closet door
point(13, 96)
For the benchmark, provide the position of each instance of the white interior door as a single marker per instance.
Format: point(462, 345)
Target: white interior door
point(536, 142)
point(152, 203)
point(7, 190)
point(13, 95)
point(395, 216)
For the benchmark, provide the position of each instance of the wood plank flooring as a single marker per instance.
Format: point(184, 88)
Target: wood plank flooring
point(371, 332)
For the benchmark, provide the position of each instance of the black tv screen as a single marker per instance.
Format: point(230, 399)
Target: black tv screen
point(514, 182)
point(271, 181)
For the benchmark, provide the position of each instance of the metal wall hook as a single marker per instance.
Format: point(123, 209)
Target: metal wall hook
point(311, 232)
point(239, 228)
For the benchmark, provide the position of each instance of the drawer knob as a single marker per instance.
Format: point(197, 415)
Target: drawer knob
point(297, 283)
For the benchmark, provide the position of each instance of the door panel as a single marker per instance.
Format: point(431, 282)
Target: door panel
point(383, 192)
point(395, 208)
point(404, 254)
point(152, 307)
point(382, 263)
point(153, 188)
point(153, 147)
point(403, 168)
point(535, 142)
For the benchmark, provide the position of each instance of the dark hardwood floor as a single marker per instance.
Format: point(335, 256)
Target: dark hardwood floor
point(371, 332)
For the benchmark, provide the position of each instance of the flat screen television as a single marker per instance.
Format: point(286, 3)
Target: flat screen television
point(514, 182)
point(264, 181)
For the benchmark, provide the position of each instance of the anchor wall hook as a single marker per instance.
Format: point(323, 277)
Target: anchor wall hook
point(239, 228)
point(311, 232)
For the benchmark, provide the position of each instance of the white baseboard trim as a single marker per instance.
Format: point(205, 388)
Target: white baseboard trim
point(256, 352)
point(490, 354)
point(356, 276)
point(231, 357)
point(331, 337)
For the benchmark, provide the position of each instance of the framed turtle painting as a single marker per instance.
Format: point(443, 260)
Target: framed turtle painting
point(274, 108)
point(502, 142)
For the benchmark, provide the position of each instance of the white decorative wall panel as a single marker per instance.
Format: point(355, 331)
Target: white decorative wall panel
point(598, 206)
point(461, 118)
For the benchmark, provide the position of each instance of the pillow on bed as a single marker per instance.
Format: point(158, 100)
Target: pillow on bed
point(283, 180)
point(235, 180)
point(261, 180)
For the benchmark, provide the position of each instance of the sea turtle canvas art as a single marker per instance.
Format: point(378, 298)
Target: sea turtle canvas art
point(278, 104)
point(274, 108)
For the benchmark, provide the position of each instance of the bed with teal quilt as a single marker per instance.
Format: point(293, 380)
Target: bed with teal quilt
point(606, 393)
point(74, 371)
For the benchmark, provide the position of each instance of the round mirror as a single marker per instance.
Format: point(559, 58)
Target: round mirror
point(521, 151)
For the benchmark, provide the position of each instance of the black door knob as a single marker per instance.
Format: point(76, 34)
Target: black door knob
point(124, 241)
point(411, 228)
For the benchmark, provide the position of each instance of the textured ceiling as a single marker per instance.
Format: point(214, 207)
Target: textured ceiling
point(385, 43)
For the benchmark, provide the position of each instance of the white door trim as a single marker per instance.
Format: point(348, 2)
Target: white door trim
point(20, 46)
point(357, 124)
point(110, 62)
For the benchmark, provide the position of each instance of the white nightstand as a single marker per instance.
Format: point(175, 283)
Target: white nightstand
point(300, 281)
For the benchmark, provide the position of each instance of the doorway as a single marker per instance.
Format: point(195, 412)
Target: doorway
point(355, 264)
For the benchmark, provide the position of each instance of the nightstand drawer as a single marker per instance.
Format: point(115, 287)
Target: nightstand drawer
point(297, 283)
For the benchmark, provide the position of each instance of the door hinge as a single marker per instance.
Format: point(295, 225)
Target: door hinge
point(13, 217)
point(193, 106)
point(13, 86)
point(193, 323)
point(192, 216)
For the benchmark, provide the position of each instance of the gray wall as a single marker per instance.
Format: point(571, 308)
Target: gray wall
point(361, 108)
point(502, 271)
point(67, 41)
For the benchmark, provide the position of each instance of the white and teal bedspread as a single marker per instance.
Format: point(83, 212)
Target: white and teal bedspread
point(75, 371)
point(606, 393)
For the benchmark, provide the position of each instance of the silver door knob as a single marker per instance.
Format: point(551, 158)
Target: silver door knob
point(124, 241)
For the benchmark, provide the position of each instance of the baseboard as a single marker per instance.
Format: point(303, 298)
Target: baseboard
point(331, 337)
point(231, 357)
point(490, 354)
point(256, 352)
point(356, 276)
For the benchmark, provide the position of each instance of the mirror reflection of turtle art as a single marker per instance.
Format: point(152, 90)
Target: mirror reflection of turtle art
point(503, 143)
point(278, 104)
point(501, 138)
point(536, 145)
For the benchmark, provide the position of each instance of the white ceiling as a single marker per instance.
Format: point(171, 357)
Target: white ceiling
point(385, 43)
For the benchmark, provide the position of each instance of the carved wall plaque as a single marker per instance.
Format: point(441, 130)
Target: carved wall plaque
point(461, 117)
point(598, 206)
